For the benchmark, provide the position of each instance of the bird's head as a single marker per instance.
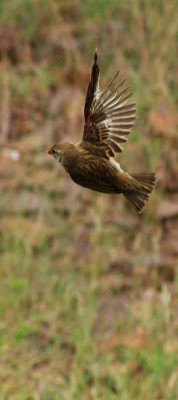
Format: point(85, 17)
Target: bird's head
point(56, 151)
point(64, 152)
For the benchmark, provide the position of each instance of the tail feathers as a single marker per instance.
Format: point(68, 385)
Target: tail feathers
point(142, 188)
point(147, 181)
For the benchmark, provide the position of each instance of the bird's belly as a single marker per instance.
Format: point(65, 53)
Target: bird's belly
point(96, 177)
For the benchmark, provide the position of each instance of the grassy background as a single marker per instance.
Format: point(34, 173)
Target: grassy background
point(88, 290)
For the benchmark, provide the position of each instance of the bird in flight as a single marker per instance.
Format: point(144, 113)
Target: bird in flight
point(91, 163)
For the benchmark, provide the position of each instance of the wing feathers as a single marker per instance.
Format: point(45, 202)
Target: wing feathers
point(109, 117)
point(115, 146)
point(110, 96)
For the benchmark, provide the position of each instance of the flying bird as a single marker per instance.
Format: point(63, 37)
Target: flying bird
point(91, 163)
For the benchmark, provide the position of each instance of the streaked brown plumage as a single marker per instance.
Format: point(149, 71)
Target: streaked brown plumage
point(109, 118)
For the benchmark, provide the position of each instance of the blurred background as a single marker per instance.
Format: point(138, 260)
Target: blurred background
point(88, 289)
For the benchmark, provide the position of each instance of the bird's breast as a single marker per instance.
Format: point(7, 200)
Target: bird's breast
point(95, 173)
point(70, 159)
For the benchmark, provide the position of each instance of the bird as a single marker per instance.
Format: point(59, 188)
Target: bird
point(108, 119)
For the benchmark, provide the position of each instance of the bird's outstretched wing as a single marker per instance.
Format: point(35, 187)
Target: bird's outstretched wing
point(109, 116)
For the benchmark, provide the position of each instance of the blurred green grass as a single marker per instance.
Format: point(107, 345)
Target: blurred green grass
point(88, 290)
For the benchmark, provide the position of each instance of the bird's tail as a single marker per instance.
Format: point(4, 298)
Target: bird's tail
point(138, 195)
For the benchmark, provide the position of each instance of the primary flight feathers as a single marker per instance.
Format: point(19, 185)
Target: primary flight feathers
point(109, 116)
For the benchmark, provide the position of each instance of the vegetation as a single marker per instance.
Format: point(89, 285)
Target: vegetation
point(88, 290)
